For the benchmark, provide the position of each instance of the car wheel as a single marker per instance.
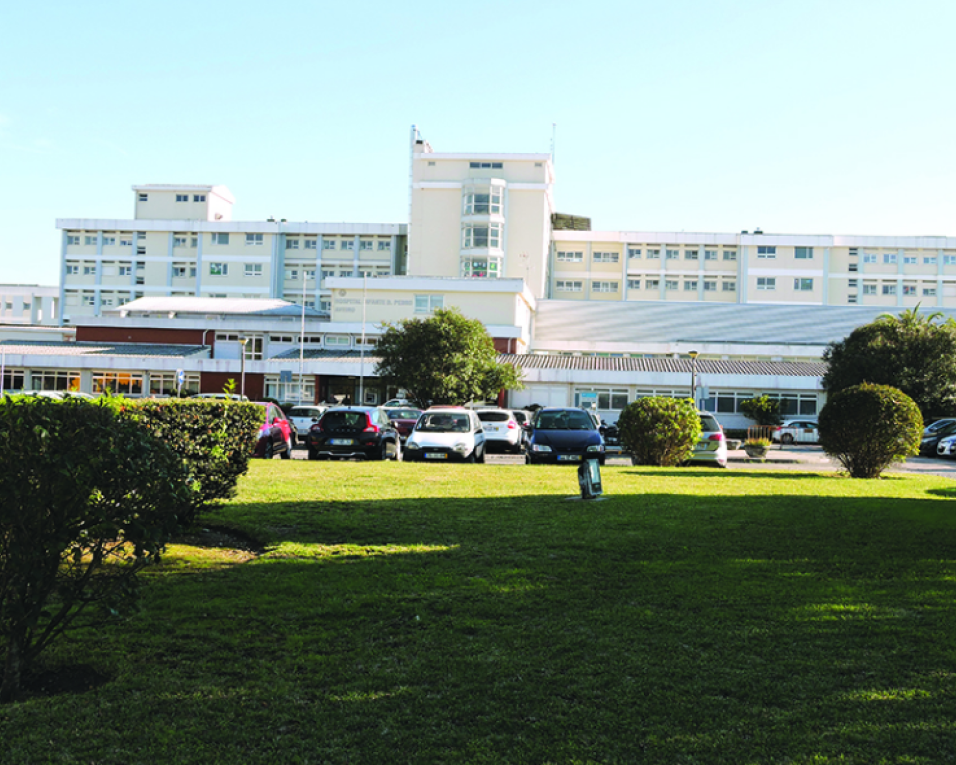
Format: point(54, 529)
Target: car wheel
point(786, 438)
point(481, 456)
point(382, 451)
point(269, 452)
point(398, 452)
point(287, 454)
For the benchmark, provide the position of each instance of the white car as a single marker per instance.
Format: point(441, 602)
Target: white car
point(304, 417)
point(444, 434)
point(796, 431)
point(712, 445)
point(502, 429)
point(946, 447)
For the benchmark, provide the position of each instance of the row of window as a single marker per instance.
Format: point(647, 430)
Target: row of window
point(482, 202)
point(255, 344)
point(179, 197)
point(722, 402)
point(689, 285)
point(652, 253)
point(890, 258)
point(189, 240)
point(109, 268)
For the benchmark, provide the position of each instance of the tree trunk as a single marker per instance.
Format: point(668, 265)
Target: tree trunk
point(10, 687)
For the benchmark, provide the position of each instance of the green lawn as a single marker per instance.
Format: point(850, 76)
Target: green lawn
point(445, 614)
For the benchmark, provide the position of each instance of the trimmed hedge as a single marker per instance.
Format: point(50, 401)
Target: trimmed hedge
point(868, 427)
point(659, 431)
point(215, 438)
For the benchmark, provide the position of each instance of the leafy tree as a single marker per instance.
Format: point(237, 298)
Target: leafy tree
point(89, 498)
point(763, 410)
point(869, 427)
point(444, 359)
point(658, 430)
point(913, 352)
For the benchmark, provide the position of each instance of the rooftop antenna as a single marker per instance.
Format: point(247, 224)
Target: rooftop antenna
point(554, 139)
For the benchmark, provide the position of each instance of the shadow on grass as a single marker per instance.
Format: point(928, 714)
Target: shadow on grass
point(654, 628)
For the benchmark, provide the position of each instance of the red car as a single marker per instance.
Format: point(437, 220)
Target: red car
point(404, 419)
point(275, 434)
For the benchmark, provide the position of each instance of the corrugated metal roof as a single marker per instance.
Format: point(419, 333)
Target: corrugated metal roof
point(319, 354)
point(204, 305)
point(681, 365)
point(51, 348)
point(666, 322)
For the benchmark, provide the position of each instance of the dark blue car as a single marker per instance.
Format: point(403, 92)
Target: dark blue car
point(564, 435)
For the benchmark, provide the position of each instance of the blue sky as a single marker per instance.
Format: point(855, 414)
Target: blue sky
point(798, 117)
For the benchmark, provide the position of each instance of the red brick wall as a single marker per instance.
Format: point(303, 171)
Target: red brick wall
point(214, 382)
point(144, 335)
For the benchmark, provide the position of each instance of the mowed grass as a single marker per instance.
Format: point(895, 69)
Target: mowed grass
point(408, 613)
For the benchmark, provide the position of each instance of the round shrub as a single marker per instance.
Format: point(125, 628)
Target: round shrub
point(659, 431)
point(869, 427)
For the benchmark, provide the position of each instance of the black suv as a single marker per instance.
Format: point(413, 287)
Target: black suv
point(354, 431)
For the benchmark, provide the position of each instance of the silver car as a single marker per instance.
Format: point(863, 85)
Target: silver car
point(304, 417)
point(712, 445)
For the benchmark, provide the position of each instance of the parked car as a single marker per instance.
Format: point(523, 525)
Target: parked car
point(937, 424)
point(711, 447)
point(796, 431)
point(230, 396)
point(562, 435)
point(446, 434)
point(303, 417)
point(929, 445)
point(404, 419)
point(354, 431)
point(946, 448)
point(275, 434)
point(501, 429)
point(395, 402)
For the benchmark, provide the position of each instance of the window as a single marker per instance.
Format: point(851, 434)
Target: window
point(309, 273)
point(253, 239)
point(481, 268)
point(869, 257)
point(428, 303)
point(179, 241)
point(339, 341)
point(851, 298)
point(604, 257)
point(311, 244)
point(49, 380)
point(690, 285)
point(199, 197)
point(909, 289)
point(691, 254)
point(571, 257)
point(730, 254)
point(653, 254)
point(109, 241)
point(869, 289)
point(89, 241)
point(72, 270)
point(929, 291)
point(89, 270)
point(710, 254)
point(292, 274)
point(652, 284)
point(218, 269)
point(710, 285)
point(182, 197)
point(910, 260)
point(179, 272)
point(384, 245)
point(481, 235)
point(253, 269)
point(929, 261)
point(72, 239)
point(326, 273)
point(88, 300)
point(140, 235)
point(604, 286)
point(803, 253)
point(126, 241)
point(606, 398)
point(220, 238)
point(483, 202)
point(633, 252)
point(144, 197)
point(766, 251)
point(485, 165)
point(803, 285)
point(670, 284)
point(125, 270)
point(292, 244)
point(568, 286)
point(889, 289)
point(949, 260)
point(852, 283)
point(853, 268)
point(347, 244)
point(889, 257)
point(672, 254)
point(106, 301)
point(325, 306)
point(766, 283)
point(633, 284)
point(365, 244)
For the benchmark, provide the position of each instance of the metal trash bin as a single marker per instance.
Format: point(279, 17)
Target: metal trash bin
point(589, 478)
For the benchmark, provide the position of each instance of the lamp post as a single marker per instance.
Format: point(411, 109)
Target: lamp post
point(242, 367)
point(693, 376)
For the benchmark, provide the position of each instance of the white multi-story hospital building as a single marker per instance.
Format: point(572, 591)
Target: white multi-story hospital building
point(603, 316)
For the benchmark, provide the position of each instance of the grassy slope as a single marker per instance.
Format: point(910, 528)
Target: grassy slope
point(441, 613)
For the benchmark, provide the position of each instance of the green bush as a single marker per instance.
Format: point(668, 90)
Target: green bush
point(659, 431)
point(88, 498)
point(214, 437)
point(869, 427)
point(763, 410)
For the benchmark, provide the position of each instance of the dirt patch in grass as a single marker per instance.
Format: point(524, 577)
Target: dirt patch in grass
point(222, 537)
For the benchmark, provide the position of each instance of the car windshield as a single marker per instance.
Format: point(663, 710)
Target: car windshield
point(564, 420)
point(521, 417)
point(304, 411)
point(493, 416)
point(403, 414)
point(349, 419)
point(443, 422)
point(708, 424)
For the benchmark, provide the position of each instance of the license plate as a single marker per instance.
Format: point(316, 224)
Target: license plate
point(435, 456)
point(340, 441)
point(569, 458)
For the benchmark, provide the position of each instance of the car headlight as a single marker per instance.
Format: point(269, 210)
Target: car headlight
point(411, 445)
point(596, 448)
point(540, 448)
point(461, 447)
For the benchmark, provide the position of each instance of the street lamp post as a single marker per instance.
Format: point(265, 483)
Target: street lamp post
point(242, 368)
point(693, 376)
